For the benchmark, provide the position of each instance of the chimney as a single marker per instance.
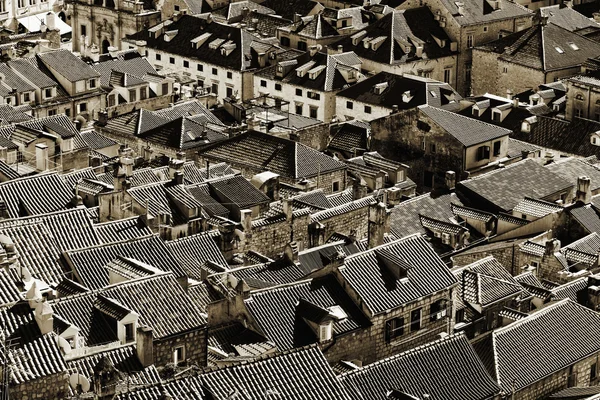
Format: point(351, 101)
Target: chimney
point(394, 108)
point(246, 220)
point(543, 20)
point(141, 47)
point(175, 166)
point(460, 8)
point(297, 18)
point(378, 221)
point(313, 50)
point(178, 178)
point(552, 246)
point(509, 94)
point(584, 191)
point(102, 118)
point(525, 154)
point(50, 21)
point(44, 318)
point(144, 345)
point(41, 157)
point(358, 191)
point(515, 101)
point(287, 208)
point(450, 180)
point(419, 51)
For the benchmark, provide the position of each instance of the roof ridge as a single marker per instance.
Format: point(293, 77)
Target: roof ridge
point(416, 235)
point(463, 117)
point(534, 316)
point(281, 286)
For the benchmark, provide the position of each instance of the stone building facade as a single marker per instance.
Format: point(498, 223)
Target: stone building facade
point(49, 387)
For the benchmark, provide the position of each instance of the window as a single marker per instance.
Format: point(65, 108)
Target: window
point(470, 41)
point(215, 88)
point(573, 46)
point(179, 354)
point(483, 153)
point(415, 320)
point(394, 328)
point(83, 107)
point(132, 95)
point(26, 97)
point(593, 371)
point(324, 332)
point(83, 30)
point(578, 113)
point(496, 116)
point(229, 75)
point(299, 109)
point(143, 93)
point(349, 105)
point(559, 50)
point(313, 112)
point(298, 92)
point(344, 24)
point(278, 87)
point(302, 46)
point(229, 91)
point(165, 88)
point(263, 83)
point(111, 100)
point(335, 187)
point(497, 147)
point(505, 70)
point(52, 112)
point(186, 64)
point(176, 8)
point(214, 71)
point(485, 28)
point(368, 109)
point(48, 93)
point(468, 73)
point(313, 95)
point(437, 310)
point(68, 112)
point(200, 67)
point(158, 57)
point(3, 6)
point(129, 333)
point(285, 41)
point(423, 126)
point(92, 83)
point(432, 148)
point(171, 60)
point(447, 75)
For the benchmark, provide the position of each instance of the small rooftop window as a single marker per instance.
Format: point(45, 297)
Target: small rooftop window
point(559, 50)
point(573, 46)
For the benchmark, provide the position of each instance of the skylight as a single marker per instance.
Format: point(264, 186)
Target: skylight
point(559, 50)
point(573, 46)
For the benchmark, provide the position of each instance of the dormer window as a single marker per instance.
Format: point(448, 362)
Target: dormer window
point(496, 116)
point(92, 83)
point(325, 332)
point(595, 139)
point(129, 333)
point(67, 145)
point(475, 112)
point(48, 93)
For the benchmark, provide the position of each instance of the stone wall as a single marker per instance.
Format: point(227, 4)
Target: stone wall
point(150, 104)
point(559, 380)
point(195, 343)
point(507, 254)
point(270, 240)
point(314, 136)
point(49, 387)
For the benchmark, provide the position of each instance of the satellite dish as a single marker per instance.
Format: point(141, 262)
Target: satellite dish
point(64, 345)
point(79, 382)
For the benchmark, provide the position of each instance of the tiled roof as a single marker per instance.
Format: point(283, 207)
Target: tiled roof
point(68, 65)
point(183, 134)
point(440, 226)
point(587, 217)
point(415, 25)
point(288, 8)
point(546, 342)
point(367, 274)
point(72, 178)
point(239, 191)
point(202, 294)
point(264, 152)
point(28, 68)
point(194, 251)
point(96, 141)
point(160, 301)
point(516, 147)
point(88, 263)
point(348, 137)
point(420, 89)
point(302, 374)
point(486, 281)
point(404, 218)
point(468, 131)
point(536, 208)
point(270, 274)
point(39, 194)
point(122, 230)
point(36, 359)
point(124, 359)
point(424, 370)
point(535, 249)
point(471, 213)
point(189, 27)
point(506, 187)
point(187, 388)
point(575, 290)
point(274, 310)
point(9, 292)
point(316, 258)
point(136, 67)
point(567, 18)
point(573, 168)
point(478, 12)
point(344, 208)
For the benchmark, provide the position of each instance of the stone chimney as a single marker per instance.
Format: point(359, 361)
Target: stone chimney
point(246, 220)
point(50, 21)
point(144, 345)
point(552, 246)
point(450, 180)
point(358, 190)
point(175, 166)
point(102, 118)
point(584, 191)
point(41, 157)
point(178, 178)
point(227, 243)
point(378, 221)
point(287, 208)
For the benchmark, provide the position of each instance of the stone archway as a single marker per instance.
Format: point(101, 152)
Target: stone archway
point(105, 46)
